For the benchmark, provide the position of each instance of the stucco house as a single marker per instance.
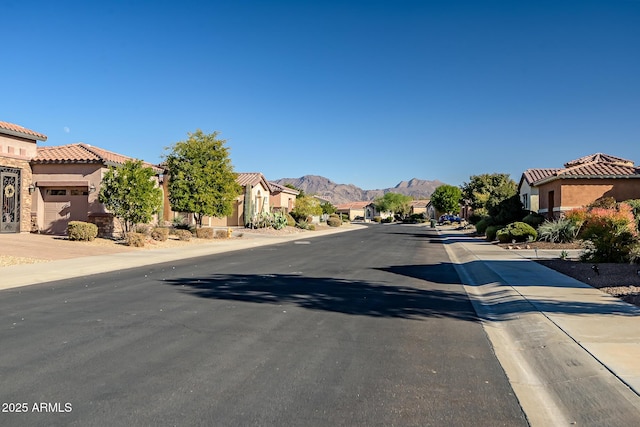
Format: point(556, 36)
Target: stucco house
point(66, 184)
point(256, 192)
point(282, 198)
point(18, 146)
point(582, 181)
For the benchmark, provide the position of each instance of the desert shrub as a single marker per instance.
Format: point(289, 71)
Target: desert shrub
point(160, 234)
point(221, 234)
point(311, 227)
point(136, 240)
point(204, 233)
point(611, 234)
point(184, 235)
point(377, 219)
point(635, 208)
point(516, 231)
point(387, 220)
point(334, 222)
point(290, 221)
point(145, 229)
point(534, 219)
point(302, 224)
point(80, 230)
point(562, 230)
point(481, 226)
point(491, 232)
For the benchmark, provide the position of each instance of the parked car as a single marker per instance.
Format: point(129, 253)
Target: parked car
point(449, 219)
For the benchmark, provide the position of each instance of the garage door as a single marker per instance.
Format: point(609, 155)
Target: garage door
point(60, 207)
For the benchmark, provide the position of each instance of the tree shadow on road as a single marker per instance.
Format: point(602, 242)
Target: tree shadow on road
point(335, 295)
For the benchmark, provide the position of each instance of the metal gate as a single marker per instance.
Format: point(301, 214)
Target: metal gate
point(10, 188)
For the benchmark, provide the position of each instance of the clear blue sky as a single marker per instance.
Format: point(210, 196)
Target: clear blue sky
point(361, 92)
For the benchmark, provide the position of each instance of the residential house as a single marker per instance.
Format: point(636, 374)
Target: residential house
point(66, 183)
point(419, 207)
point(255, 198)
point(18, 146)
point(365, 211)
point(282, 198)
point(582, 181)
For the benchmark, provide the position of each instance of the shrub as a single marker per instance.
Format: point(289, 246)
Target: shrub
point(481, 226)
point(145, 229)
point(387, 220)
point(516, 231)
point(184, 235)
point(475, 218)
point(334, 222)
point(604, 203)
point(534, 219)
point(290, 221)
point(80, 230)
point(160, 234)
point(612, 233)
point(491, 232)
point(311, 227)
point(204, 233)
point(222, 234)
point(136, 240)
point(562, 230)
point(377, 219)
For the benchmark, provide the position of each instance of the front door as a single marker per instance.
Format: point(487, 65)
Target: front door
point(10, 188)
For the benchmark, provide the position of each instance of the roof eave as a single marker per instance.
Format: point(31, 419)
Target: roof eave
point(37, 137)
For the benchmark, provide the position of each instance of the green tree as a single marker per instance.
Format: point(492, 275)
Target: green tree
point(397, 203)
point(446, 199)
point(485, 191)
point(130, 193)
point(201, 177)
point(327, 208)
point(306, 206)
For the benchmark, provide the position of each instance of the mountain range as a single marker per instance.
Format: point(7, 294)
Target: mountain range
point(345, 193)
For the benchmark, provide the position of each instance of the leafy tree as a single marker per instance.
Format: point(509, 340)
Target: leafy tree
point(306, 206)
point(397, 203)
point(485, 191)
point(201, 177)
point(446, 198)
point(129, 192)
point(327, 208)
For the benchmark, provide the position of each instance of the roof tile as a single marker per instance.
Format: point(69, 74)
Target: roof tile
point(22, 130)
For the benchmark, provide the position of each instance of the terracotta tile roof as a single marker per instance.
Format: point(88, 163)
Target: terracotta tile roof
point(21, 131)
point(353, 205)
point(598, 158)
point(593, 166)
point(83, 153)
point(282, 188)
point(252, 178)
point(534, 175)
point(420, 203)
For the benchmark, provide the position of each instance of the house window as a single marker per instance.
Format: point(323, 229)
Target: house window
point(525, 201)
point(56, 192)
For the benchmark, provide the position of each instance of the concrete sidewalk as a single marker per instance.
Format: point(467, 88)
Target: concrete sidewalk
point(556, 337)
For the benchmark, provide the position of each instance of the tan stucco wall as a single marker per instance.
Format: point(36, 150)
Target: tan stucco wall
point(283, 201)
point(13, 146)
point(574, 193)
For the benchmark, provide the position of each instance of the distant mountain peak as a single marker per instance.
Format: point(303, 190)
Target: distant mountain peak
point(345, 193)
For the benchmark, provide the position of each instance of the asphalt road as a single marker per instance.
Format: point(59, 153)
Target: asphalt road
point(370, 327)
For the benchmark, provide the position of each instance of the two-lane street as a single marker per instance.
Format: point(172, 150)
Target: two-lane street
point(368, 327)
